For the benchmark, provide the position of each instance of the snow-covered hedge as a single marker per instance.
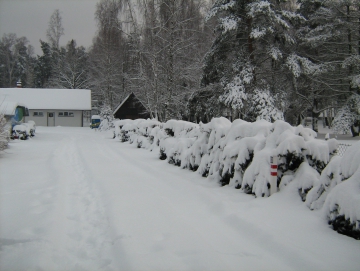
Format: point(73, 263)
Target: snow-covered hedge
point(238, 154)
point(337, 192)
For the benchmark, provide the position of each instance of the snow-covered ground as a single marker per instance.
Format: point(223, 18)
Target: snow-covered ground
point(76, 199)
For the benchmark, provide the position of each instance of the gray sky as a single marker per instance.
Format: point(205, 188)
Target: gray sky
point(30, 18)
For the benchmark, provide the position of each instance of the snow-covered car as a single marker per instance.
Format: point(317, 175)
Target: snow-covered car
point(24, 130)
point(20, 131)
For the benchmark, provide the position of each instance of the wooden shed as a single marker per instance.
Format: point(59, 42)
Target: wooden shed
point(131, 108)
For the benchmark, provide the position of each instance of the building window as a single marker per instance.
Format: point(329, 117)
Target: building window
point(38, 114)
point(66, 114)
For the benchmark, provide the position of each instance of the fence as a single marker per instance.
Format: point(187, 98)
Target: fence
point(342, 149)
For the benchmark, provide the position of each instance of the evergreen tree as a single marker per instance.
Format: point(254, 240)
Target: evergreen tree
point(254, 39)
point(43, 67)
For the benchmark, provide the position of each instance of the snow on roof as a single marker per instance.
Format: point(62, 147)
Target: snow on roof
point(41, 98)
point(8, 107)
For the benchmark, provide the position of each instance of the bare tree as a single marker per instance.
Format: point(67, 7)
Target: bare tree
point(169, 53)
point(55, 30)
point(107, 54)
point(71, 70)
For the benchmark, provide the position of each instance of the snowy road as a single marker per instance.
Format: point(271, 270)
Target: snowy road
point(75, 199)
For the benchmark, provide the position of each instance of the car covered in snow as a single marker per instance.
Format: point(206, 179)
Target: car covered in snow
point(24, 131)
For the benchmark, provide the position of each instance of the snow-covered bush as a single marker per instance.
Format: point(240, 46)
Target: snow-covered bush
point(179, 137)
point(215, 131)
point(143, 132)
point(107, 118)
point(147, 133)
point(4, 132)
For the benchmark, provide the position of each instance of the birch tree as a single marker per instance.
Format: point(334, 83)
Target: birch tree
point(55, 29)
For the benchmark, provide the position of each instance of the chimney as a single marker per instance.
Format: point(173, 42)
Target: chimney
point(18, 84)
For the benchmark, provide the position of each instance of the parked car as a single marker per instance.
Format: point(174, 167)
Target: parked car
point(24, 130)
point(95, 121)
point(20, 131)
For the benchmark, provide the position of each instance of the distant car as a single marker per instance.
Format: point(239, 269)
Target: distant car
point(95, 121)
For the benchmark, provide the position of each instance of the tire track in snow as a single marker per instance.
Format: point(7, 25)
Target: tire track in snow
point(84, 237)
point(232, 222)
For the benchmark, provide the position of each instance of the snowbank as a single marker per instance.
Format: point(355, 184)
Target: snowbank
point(238, 154)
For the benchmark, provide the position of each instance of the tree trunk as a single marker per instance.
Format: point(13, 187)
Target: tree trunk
point(315, 116)
point(170, 83)
point(355, 129)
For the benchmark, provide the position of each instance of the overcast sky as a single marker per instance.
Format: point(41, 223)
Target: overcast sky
point(30, 18)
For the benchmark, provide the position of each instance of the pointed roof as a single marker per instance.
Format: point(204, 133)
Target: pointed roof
point(127, 98)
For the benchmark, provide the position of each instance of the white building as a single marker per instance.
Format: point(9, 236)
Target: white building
point(52, 107)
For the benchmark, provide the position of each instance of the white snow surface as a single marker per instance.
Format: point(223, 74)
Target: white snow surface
point(73, 198)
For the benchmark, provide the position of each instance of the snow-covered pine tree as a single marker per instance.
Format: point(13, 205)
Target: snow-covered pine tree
point(264, 105)
point(253, 40)
point(43, 66)
point(107, 117)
